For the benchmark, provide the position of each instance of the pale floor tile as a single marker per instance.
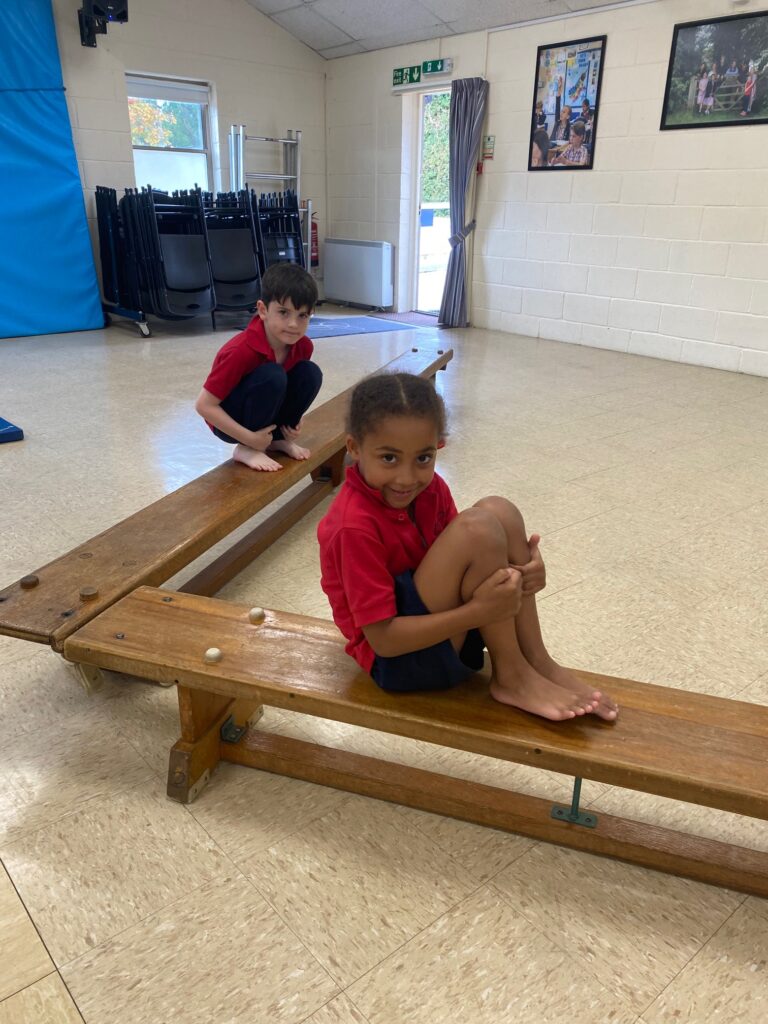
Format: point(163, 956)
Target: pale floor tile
point(145, 715)
point(218, 954)
point(38, 690)
point(24, 957)
point(105, 867)
point(726, 981)
point(358, 883)
point(45, 1002)
point(638, 927)
point(485, 963)
point(607, 609)
point(53, 771)
point(481, 852)
point(246, 811)
point(340, 1010)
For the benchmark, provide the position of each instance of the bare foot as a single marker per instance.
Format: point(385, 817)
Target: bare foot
point(293, 451)
point(256, 460)
point(530, 691)
point(604, 706)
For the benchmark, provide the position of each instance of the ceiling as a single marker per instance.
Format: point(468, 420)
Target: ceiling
point(338, 28)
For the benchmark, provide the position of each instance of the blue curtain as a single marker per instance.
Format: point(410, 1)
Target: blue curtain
point(468, 99)
point(47, 277)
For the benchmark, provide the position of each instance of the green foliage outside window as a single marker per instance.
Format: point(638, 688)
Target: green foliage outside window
point(434, 160)
point(165, 124)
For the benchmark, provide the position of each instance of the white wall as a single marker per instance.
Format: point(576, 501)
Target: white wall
point(261, 76)
point(659, 250)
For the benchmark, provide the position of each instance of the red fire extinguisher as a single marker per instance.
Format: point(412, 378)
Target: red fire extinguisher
point(314, 248)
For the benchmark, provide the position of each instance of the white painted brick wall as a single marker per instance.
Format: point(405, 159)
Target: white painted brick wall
point(659, 250)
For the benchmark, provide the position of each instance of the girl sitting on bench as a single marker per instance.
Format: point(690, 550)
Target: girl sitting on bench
point(417, 588)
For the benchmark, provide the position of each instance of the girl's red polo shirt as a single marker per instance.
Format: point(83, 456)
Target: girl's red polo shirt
point(364, 544)
point(243, 353)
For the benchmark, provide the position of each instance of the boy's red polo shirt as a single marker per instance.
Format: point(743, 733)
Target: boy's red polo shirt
point(243, 353)
point(364, 544)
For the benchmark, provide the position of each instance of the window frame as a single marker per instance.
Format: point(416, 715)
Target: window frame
point(181, 90)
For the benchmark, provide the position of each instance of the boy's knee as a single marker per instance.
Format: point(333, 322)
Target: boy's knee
point(308, 372)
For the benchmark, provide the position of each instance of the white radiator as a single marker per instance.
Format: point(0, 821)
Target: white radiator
point(358, 272)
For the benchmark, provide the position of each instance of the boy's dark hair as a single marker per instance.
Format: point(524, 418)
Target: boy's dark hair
point(393, 394)
point(289, 281)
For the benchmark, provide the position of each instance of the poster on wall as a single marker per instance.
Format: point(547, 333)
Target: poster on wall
point(566, 99)
point(718, 73)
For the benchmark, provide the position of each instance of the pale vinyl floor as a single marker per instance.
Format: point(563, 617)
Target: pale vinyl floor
point(272, 900)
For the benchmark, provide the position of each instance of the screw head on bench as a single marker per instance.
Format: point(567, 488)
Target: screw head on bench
point(440, 351)
point(29, 582)
point(256, 615)
point(89, 593)
point(414, 350)
point(212, 655)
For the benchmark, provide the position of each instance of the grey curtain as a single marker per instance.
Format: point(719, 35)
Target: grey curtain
point(468, 100)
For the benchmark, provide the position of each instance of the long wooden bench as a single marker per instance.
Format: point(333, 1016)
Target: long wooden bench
point(150, 547)
point(229, 660)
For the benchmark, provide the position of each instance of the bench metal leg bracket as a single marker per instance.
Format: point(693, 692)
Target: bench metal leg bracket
point(232, 733)
point(572, 813)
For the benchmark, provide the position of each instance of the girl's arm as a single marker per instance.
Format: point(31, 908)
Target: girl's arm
point(209, 407)
point(497, 598)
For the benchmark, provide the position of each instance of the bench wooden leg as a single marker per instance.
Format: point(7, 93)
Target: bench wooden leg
point(650, 846)
point(332, 470)
point(195, 755)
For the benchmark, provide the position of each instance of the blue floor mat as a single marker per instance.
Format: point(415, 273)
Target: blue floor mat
point(9, 432)
point(336, 326)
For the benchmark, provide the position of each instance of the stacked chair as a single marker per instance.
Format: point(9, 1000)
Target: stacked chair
point(190, 253)
point(236, 250)
point(280, 223)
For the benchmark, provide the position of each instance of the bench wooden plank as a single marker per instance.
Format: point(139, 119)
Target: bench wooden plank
point(687, 746)
point(155, 543)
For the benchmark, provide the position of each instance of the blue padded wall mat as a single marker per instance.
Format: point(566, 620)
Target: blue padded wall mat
point(47, 275)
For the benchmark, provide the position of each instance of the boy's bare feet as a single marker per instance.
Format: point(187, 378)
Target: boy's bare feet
point(531, 692)
point(604, 707)
point(256, 460)
point(289, 448)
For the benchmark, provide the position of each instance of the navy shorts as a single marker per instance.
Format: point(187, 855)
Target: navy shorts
point(433, 668)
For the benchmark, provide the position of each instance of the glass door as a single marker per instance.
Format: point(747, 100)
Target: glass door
point(434, 205)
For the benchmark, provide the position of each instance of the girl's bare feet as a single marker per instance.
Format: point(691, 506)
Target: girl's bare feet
point(531, 692)
point(256, 460)
point(289, 448)
point(604, 706)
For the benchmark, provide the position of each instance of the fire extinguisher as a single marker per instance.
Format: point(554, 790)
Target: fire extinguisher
point(314, 249)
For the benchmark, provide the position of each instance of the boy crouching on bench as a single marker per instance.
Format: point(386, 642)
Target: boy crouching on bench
point(263, 380)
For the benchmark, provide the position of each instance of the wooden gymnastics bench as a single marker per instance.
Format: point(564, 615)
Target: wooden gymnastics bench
point(229, 661)
point(151, 546)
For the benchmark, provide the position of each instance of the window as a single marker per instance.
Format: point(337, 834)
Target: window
point(170, 132)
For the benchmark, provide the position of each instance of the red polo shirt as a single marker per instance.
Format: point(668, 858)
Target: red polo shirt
point(364, 544)
point(244, 353)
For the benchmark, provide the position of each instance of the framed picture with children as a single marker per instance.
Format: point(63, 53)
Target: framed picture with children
point(718, 72)
point(566, 99)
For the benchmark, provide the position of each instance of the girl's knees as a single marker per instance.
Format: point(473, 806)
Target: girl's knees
point(480, 529)
point(509, 515)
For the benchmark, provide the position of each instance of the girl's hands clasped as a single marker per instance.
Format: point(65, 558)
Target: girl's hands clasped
point(533, 572)
point(499, 597)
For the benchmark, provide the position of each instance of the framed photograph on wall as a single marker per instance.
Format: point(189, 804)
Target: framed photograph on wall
point(718, 73)
point(566, 100)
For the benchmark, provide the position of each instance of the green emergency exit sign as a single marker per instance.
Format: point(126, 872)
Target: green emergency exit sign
point(405, 76)
point(433, 67)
